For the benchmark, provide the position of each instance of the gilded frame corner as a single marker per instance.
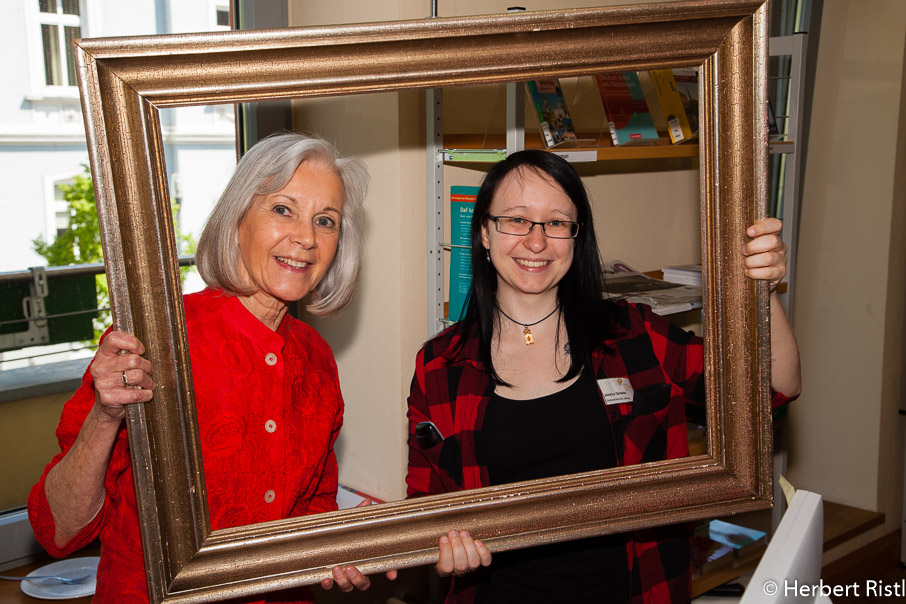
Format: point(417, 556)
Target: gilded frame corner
point(124, 81)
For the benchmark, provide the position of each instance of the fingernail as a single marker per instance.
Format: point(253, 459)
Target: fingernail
point(444, 539)
point(463, 533)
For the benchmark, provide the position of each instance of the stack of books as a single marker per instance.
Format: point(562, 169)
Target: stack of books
point(709, 555)
point(685, 274)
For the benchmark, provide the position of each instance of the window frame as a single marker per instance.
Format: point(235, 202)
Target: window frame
point(34, 19)
point(214, 7)
point(125, 81)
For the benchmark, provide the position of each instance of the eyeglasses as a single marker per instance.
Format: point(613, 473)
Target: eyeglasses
point(555, 229)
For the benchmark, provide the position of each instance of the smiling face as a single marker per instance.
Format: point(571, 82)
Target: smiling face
point(534, 264)
point(288, 239)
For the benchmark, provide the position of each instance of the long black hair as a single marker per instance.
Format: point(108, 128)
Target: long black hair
point(579, 293)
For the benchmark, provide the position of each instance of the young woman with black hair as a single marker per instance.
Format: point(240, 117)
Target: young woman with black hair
point(543, 377)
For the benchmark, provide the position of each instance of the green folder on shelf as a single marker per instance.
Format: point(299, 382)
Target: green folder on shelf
point(462, 206)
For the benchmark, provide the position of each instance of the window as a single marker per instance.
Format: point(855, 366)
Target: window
point(220, 15)
point(58, 216)
point(42, 155)
point(60, 22)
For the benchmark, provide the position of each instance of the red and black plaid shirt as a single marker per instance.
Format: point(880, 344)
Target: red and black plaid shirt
point(664, 364)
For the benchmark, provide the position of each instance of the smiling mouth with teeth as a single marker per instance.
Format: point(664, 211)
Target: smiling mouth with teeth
point(291, 262)
point(532, 263)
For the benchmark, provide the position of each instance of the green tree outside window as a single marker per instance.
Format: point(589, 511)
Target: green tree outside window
point(81, 242)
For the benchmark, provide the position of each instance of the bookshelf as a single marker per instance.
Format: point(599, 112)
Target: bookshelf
point(486, 148)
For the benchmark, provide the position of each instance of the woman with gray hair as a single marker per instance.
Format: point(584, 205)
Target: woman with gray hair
point(288, 225)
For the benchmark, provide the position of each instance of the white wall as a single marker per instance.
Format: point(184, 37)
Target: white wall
point(846, 436)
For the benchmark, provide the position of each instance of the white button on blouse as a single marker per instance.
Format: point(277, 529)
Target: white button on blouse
point(270, 425)
point(269, 496)
point(270, 359)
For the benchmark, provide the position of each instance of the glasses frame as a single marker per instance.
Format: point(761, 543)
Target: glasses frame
point(124, 82)
point(496, 220)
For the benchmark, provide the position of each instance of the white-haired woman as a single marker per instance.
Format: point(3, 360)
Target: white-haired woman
point(289, 224)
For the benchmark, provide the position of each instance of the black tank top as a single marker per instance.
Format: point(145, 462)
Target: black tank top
point(562, 433)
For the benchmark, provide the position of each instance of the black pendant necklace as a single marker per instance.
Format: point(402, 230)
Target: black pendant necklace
point(526, 332)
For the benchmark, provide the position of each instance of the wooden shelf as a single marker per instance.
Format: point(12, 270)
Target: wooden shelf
point(492, 147)
point(601, 145)
point(842, 523)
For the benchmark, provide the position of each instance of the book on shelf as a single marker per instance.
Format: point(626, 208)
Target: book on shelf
point(462, 206)
point(686, 274)
point(677, 92)
point(552, 111)
point(746, 543)
point(624, 282)
point(709, 555)
point(628, 116)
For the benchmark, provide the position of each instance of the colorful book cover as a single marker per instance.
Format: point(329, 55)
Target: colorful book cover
point(553, 114)
point(627, 112)
point(673, 104)
point(462, 206)
point(686, 79)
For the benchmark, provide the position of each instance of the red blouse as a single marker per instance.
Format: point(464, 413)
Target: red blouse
point(269, 410)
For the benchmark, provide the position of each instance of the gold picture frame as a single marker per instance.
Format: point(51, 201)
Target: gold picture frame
point(124, 82)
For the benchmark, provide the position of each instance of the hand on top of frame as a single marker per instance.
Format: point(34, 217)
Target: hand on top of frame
point(765, 253)
point(121, 375)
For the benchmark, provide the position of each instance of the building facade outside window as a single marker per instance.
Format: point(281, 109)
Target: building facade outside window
point(43, 147)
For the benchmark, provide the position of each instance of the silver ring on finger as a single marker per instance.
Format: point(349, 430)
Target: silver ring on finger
point(126, 383)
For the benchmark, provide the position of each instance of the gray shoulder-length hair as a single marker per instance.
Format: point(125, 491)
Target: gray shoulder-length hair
point(266, 168)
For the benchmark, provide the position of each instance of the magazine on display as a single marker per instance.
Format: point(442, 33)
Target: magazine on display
point(677, 92)
point(627, 111)
point(553, 114)
point(625, 283)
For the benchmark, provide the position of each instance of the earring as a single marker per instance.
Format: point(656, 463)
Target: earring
point(487, 254)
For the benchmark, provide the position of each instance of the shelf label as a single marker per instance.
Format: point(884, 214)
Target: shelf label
point(578, 156)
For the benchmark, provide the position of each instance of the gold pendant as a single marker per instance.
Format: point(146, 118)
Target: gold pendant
point(529, 340)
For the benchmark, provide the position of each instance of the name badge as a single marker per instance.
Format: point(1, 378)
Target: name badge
point(616, 391)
